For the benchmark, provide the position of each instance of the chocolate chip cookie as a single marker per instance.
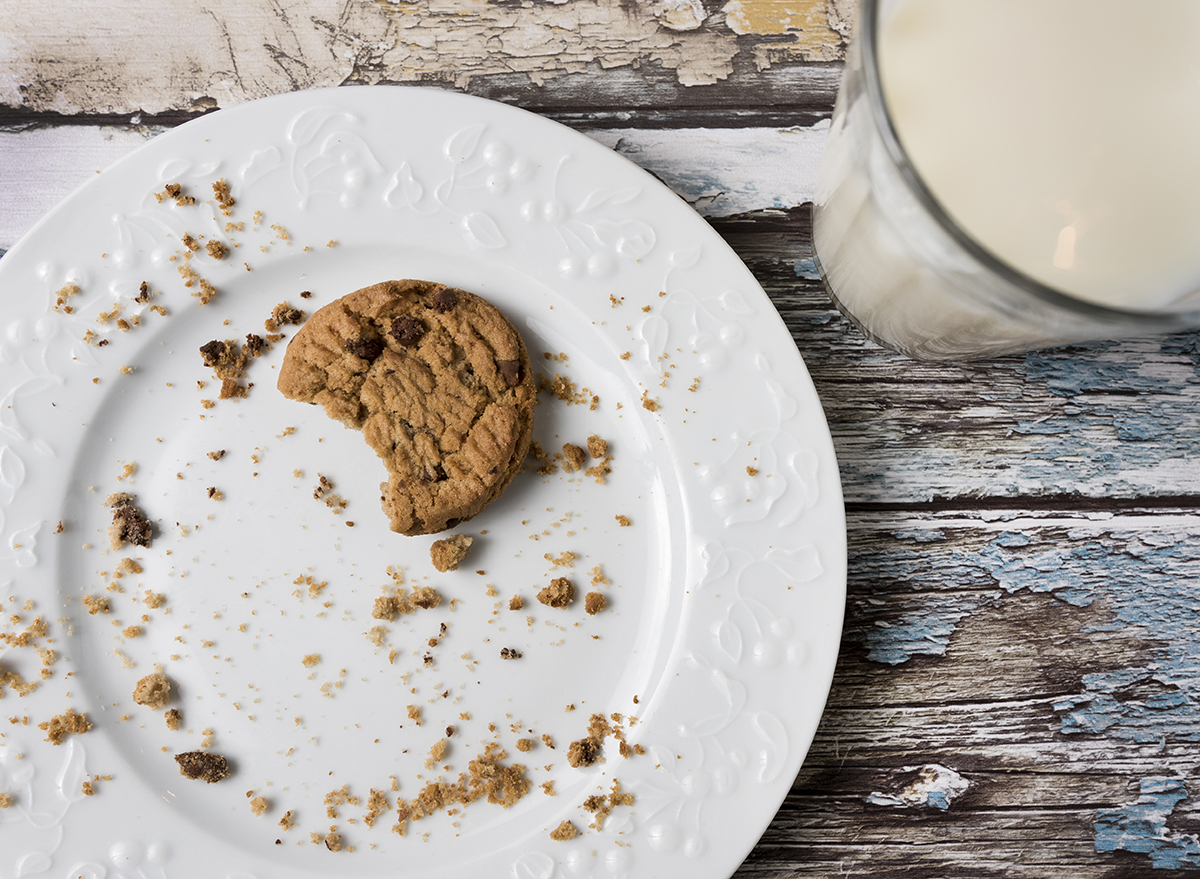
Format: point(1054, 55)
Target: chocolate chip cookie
point(438, 381)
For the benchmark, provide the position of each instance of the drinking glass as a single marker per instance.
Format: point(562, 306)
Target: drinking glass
point(904, 271)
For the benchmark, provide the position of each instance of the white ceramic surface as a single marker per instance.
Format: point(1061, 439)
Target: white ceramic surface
point(727, 588)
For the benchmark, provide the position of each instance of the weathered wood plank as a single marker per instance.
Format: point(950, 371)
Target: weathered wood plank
point(1100, 424)
point(72, 60)
point(1039, 669)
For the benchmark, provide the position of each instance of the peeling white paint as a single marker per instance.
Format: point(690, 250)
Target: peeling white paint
point(934, 787)
point(679, 15)
point(722, 171)
point(86, 58)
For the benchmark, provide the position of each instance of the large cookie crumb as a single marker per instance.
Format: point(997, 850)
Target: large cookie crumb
point(583, 752)
point(560, 593)
point(573, 457)
point(129, 524)
point(449, 553)
point(153, 690)
point(564, 831)
point(203, 765)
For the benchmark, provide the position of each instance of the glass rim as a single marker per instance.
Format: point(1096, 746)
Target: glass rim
point(868, 31)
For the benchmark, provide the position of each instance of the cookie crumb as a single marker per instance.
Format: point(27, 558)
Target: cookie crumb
point(173, 718)
point(153, 691)
point(436, 753)
point(649, 403)
point(69, 723)
point(565, 831)
point(524, 745)
point(594, 602)
point(203, 765)
point(562, 560)
point(516, 602)
point(175, 193)
point(751, 471)
point(573, 456)
point(583, 752)
point(510, 653)
point(96, 604)
point(129, 524)
point(559, 594)
point(225, 201)
point(283, 315)
point(449, 553)
point(258, 805)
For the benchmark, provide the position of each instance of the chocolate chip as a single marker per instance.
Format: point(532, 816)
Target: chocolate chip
point(437, 474)
point(143, 293)
point(445, 299)
point(511, 370)
point(407, 330)
point(254, 344)
point(367, 349)
point(213, 351)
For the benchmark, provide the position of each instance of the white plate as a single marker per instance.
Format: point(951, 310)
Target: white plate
point(727, 588)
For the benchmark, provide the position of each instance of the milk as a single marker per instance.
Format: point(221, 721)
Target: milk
point(1062, 136)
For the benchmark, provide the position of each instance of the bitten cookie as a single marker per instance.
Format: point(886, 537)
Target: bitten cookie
point(438, 381)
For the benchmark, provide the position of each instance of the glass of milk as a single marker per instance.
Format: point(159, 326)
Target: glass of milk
point(1004, 175)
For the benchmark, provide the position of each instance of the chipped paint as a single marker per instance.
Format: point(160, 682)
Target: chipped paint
point(72, 60)
point(806, 269)
point(726, 171)
point(679, 15)
point(815, 29)
point(1141, 826)
point(925, 631)
point(1119, 421)
point(1119, 560)
point(933, 787)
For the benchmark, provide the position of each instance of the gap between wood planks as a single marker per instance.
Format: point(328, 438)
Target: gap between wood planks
point(1036, 504)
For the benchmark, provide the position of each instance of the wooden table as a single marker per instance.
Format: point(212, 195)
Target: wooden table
point(1019, 687)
